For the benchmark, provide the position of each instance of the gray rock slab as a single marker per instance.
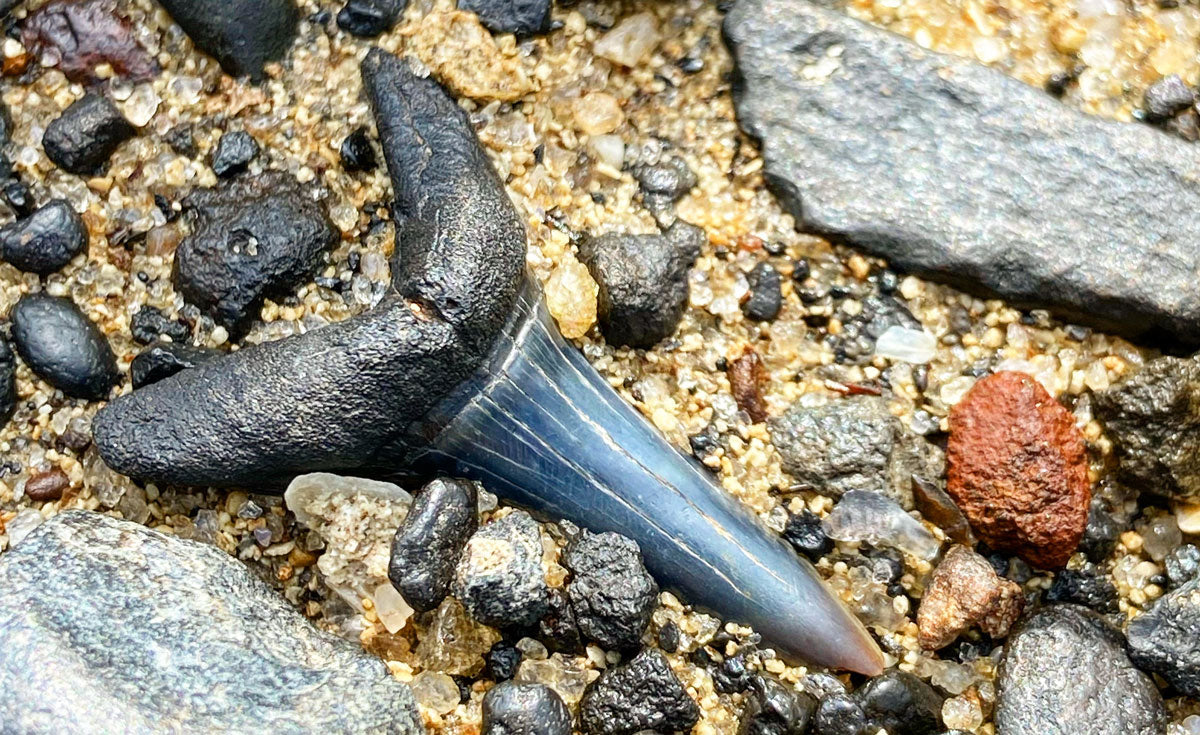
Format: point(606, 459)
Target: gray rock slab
point(109, 627)
point(962, 174)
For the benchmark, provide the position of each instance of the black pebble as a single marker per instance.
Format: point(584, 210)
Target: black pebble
point(18, 196)
point(806, 534)
point(46, 240)
point(150, 323)
point(357, 151)
point(639, 695)
point(557, 628)
point(429, 543)
point(524, 709)
point(522, 17)
point(8, 382)
point(368, 18)
point(765, 295)
point(243, 35)
point(81, 140)
point(668, 637)
point(902, 704)
point(611, 593)
point(839, 714)
point(1083, 587)
point(164, 360)
point(671, 178)
point(233, 153)
point(775, 709)
point(502, 661)
point(63, 347)
point(1101, 533)
point(182, 140)
point(691, 64)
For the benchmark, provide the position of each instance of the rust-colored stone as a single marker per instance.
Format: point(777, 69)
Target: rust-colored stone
point(78, 36)
point(1018, 469)
point(47, 486)
point(745, 378)
point(965, 591)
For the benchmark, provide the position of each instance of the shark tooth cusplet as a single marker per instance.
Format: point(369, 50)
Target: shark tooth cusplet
point(460, 370)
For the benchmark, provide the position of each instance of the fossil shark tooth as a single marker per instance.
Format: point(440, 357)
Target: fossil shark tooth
point(460, 370)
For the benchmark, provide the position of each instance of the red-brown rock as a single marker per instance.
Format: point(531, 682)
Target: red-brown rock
point(78, 35)
point(1018, 469)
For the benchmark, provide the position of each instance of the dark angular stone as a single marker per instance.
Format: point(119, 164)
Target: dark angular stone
point(243, 35)
point(357, 152)
point(163, 360)
point(233, 153)
point(182, 139)
point(150, 323)
point(611, 593)
point(8, 383)
point(806, 535)
point(902, 704)
point(500, 579)
point(668, 637)
point(1182, 564)
point(1154, 421)
point(936, 505)
point(253, 239)
point(522, 17)
point(1167, 96)
point(369, 18)
point(502, 661)
point(1101, 533)
point(46, 240)
point(524, 709)
point(429, 544)
point(1165, 639)
point(76, 36)
point(557, 628)
point(95, 655)
point(766, 298)
point(63, 347)
point(775, 709)
point(642, 280)
point(1065, 671)
point(839, 714)
point(17, 194)
point(350, 390)
point(1049, 207)
point(643, 694)
point(670, 179)
point(81, 139)
point(1084, 587)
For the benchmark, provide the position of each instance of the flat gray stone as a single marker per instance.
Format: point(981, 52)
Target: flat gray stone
point(109, 627)
point(959, 173)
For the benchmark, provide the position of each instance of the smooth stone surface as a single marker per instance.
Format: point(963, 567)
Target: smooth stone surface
point(356, 151)
point(1165, 639)
point(242, 35)
point(642, 694)
point(109, 627)
point(775, 709)
point(963, 174)
point(611, 593)
point(1065, 671)
point(500, 579)
point(63, 347)
point(369, 18)
point(428, 545)
point(252, 239)
point(642, 280)
point(233, 153)
point(46, 240)
point(522, 17)
point(524, 709)
point(163, 360)
point(81, 140)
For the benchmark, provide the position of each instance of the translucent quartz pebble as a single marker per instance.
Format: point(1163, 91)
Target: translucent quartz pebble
point(566, 675)
point(323, 486)
point(866, 516)
point(909, 345)
point(1159, 536)
point(20, 526)
point(391, 608)
point(436, 691)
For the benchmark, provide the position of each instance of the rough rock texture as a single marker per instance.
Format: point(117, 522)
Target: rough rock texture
point(1088, 586)
point(351, 390)
point(369, 18)
point(46, 240)
point(1167, 96)
point(611, 593)
point(966, 591)
point(1018, 469)
point(428, 545)
point(819, 89)
point(252, 239)
point(233, 153)
point(242, 35)
point(80, 140)
point(747, 377)
point(643, 694)
point(775, 709)
point(523, 17)
point(109, 627)
point(78, 36)
point(766, 297)
point(163, 360)
point(1165, 639)
point(1065, 672)
point(937, 507)
point(150, 323)
point(8, 382)
point(854, 443)
point(895, 701)
point(500, 579)
point(524, 709)
point(806, 535)
point(670, 179)
point(642, 280)
point(63, 347)
point(1153, 419)
point(1182, 564)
